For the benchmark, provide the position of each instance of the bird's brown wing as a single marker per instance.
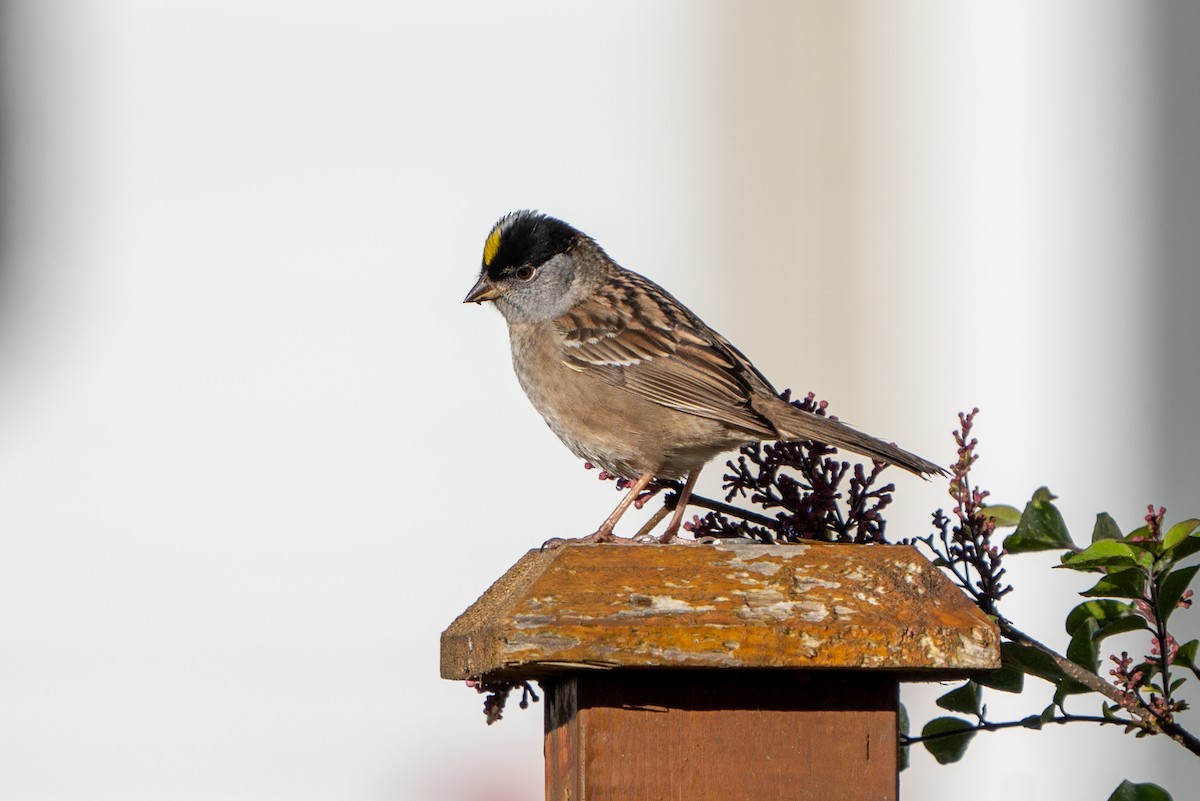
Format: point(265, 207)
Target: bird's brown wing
point(661, 352)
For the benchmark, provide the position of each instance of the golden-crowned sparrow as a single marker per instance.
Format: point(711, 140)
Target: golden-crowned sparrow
point(628, 377)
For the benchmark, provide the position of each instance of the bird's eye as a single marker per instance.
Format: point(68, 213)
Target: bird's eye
point(525, 273)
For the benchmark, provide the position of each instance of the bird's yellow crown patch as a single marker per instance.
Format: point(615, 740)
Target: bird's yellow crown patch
point(491, 246)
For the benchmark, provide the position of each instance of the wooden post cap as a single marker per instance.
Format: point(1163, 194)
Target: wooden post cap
point(732, 604)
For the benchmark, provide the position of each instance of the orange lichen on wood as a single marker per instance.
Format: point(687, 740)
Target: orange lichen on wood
point(730, 604)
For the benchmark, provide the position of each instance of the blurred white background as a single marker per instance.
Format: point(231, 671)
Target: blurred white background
point(256, 454)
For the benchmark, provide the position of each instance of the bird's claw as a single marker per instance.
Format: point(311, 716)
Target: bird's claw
point(597, 537)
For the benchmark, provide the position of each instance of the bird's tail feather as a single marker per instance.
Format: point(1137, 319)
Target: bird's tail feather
point(799, 425)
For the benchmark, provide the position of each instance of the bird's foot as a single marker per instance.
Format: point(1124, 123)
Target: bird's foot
point(601, 536)
point(673, 538)
point(671, 535)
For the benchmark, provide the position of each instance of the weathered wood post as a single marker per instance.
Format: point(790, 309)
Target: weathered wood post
point(727, 671)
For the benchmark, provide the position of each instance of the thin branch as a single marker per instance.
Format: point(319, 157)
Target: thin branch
point(1012, 724)
point(645, 530)
point(1147, 718)
point(732, 511)
point(1164, 640)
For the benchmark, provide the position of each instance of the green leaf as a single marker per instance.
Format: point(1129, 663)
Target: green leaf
point(1128, 791)
point(1005, 515)
point(1030, 660)
point(1102, 554)
point(1183, 550)
point(902, 727)
point(950, 748)
point(963, 699)
point(1042, 527)
point(1141, 534)
point(1127, 583)
point(1044, 495)
point(1187, 654)
point(1149, 669)
point(1180, 532)
point(1106, 528)
point(1122, 626)
point(1171, 588)
point(1007, 679)
point(1083, 649)
point(1038, 721)
point(1102, 611)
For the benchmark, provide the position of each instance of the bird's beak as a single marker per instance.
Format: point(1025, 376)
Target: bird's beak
point(482, 291)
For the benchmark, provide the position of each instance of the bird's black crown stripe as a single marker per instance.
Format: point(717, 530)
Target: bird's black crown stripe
point(527, 237)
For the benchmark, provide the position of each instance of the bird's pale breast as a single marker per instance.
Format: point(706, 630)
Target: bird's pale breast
point(615, 430)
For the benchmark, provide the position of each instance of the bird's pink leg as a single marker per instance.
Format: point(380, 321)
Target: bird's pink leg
point(672, 531)
point(605, 532)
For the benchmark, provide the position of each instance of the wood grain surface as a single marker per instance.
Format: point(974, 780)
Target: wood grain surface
point(705, 735)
